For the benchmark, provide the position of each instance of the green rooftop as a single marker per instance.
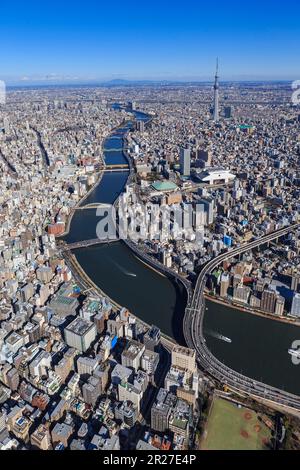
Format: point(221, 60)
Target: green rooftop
point(164, 186)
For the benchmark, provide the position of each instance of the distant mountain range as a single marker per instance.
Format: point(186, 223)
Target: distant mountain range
point(118, 82)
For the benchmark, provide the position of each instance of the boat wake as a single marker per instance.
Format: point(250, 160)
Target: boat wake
point(124, 270)
point(215, 334)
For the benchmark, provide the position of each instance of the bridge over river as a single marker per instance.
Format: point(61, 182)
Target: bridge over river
point(85, 243)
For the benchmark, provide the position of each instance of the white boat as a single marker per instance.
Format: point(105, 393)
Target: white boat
point(294, 352)
point(224, 338)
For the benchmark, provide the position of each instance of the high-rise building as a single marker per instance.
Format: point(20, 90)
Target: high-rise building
point(216, 95)
point(294, 283)
point(185, 161)
point(127, 413)
point(268, 300)
point(228, 110)
point(91, 390)
point(279, 308)
point(27, 292)
point(254, 301)
point(161, 410)
point(128, 392)
point(295, 310)
point(13, 379)
point(241, 293)
point(86, 365)
point(102, 372)
point(99, 321)
point(140, 125)
point(224, 284)
point(149, 361)
point(208, 204)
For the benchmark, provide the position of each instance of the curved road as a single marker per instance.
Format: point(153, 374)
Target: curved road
point(193, 332)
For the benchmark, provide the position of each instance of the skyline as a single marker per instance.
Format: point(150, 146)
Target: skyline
point(63, 43)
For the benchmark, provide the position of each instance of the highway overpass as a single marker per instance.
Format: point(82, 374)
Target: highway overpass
point(193, 332)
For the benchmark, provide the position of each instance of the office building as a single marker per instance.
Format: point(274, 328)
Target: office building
point(127, 413)
point(40, 438)
point(131, 356)
point(161, 410)
point(61, 434)
point(184, 358)
point(80, 334)
point(152, 339)
point(185, 161)
point(149, 361)
point(128, 392)
point(268, 300)
point(86, 365)
point(295, 310)
point(241, 293)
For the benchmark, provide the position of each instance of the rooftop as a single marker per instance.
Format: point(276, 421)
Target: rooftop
point(80, 326)
point(164, 186)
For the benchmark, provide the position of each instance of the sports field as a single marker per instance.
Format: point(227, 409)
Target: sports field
point(232, 428)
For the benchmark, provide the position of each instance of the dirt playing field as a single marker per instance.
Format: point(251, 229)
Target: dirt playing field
point(233, 428)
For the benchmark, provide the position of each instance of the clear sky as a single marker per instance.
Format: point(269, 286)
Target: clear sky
point(154, 39)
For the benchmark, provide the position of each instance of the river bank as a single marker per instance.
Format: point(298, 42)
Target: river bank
point(252, 311)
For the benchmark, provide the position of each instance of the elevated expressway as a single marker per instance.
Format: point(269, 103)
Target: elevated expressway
point(193, 333)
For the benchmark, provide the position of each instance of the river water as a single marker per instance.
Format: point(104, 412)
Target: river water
point(149, 295)
point(258, 347)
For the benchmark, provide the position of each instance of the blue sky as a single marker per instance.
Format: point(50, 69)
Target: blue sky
point(149, 39)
